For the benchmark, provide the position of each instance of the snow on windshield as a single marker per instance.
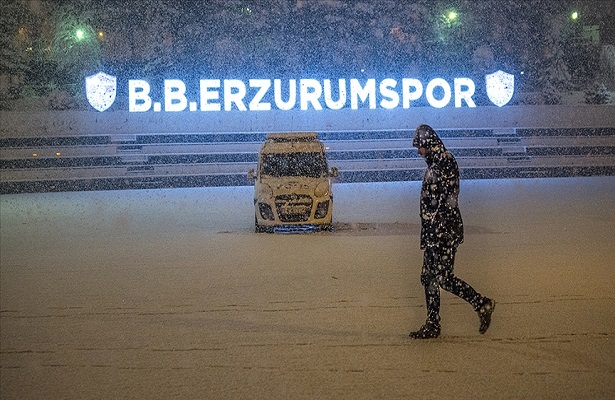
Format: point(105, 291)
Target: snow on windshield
point(313, 165)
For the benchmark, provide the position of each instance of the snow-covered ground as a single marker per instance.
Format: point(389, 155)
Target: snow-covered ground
point(169, 294)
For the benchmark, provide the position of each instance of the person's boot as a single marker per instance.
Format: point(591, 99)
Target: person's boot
point(484, 314)
point(427, 331)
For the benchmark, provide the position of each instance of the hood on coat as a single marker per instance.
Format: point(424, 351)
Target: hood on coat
point(425, 136)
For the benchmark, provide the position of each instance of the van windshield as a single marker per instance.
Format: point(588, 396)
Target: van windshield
point(312, 165)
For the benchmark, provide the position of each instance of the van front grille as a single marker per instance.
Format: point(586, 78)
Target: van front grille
point(293, 207)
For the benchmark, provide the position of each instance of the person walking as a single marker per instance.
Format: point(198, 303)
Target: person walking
point(441, 234)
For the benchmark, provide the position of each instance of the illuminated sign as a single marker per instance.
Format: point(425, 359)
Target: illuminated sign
point(303, 94)
point(500, 87)
point(100, 90)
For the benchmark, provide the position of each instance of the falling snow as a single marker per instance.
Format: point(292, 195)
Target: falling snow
point(170, 293)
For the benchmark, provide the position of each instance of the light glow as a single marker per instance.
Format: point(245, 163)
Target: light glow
point(311, 94)
point(215, 95)
point(101, 90)
point(500, 87)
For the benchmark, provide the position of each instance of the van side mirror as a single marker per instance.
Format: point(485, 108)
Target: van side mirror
point(334, 172)
point(251, 174)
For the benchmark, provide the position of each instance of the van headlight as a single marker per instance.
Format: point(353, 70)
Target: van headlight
point(322, 189)
point(265, 192)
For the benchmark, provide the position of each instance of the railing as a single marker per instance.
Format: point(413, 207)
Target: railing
point(42, 154)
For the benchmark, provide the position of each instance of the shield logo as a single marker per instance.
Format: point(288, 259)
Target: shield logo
point(100, 90)
point(500, 87)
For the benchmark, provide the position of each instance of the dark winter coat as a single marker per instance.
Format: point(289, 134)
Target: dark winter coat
point(441, 223)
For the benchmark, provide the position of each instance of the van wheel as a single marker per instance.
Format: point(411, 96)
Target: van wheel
point(258, 228)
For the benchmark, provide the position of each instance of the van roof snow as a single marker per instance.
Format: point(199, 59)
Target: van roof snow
point(292, 136)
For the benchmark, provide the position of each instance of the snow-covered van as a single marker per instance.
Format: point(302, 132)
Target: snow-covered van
point(292, 187)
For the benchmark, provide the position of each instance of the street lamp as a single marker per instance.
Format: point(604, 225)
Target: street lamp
point(450, 18)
